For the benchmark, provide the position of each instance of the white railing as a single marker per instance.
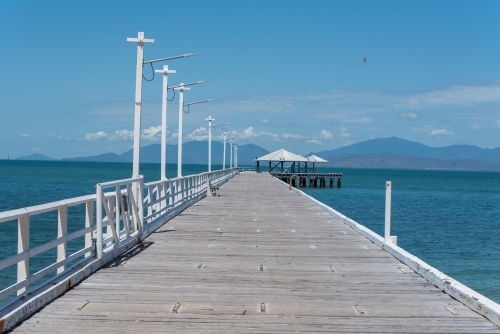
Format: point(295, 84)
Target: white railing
point(247, 169)
point(22, 259)
point(123, 217)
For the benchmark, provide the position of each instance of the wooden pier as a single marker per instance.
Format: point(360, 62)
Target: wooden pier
point(312, 180)
point(259, 258)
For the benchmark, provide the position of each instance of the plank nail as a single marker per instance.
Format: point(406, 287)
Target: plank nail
point(176, 307)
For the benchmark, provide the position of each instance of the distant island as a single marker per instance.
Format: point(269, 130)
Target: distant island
point(36, 156)
point(391, 152)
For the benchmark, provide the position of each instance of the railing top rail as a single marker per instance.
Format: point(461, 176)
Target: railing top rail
point(184, 177)
point(37, 209)
point(46, 207)
point(120, 182)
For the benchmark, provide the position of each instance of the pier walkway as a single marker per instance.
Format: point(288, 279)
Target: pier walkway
point(259, 258)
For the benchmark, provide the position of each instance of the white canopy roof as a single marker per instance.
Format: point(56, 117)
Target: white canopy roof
point(314, 158)
point(282, 155)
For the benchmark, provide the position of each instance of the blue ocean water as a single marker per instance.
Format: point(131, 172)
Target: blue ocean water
point(450, 219)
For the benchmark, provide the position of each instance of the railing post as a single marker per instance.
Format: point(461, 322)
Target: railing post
point(62, 230)
point(387, 233)
point(163, 195)
point(98, 218)
point(140, 201)
point(118, 207)
point(23, 244)
point(150, 199)
point(89, 221)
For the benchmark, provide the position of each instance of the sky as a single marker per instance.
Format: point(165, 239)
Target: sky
point(284, 74)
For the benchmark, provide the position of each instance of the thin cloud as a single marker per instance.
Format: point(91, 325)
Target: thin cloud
point(152, 133)
point(198, 134)
point(291, 136)
point(344, 133)
point(95, 136)
point(409, 116)
point(440, 132)
point(325, 135)
point(25, 135)
point(359, 120)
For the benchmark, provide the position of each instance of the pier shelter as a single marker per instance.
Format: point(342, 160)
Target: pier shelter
point(312, 160)
point(300, 172)
point(278, 159)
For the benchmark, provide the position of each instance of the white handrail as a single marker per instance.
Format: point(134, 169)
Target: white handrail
point(119, 218)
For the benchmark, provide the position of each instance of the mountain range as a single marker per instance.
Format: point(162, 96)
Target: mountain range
point(396, 145)
point(376, 153)
point(401, 153)
point(193, 152)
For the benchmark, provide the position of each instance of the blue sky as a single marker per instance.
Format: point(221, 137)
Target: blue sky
point(285, 74)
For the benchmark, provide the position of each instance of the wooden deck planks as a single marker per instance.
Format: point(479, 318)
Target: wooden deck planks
point(318, 275)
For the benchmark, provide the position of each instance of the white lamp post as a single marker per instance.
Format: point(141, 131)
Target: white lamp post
point(224, 156)
point(231, 154)
point(140, 40)
point(165, 73)
point(211, 129)
point(235, 155)
point(209, 119)
point(181, 88)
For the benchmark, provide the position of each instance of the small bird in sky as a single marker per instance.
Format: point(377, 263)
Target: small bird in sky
point(364, 59)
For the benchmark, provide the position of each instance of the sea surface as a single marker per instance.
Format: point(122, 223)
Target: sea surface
point(449, 219)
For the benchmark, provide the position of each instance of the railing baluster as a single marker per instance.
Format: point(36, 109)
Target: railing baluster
point(99, 220)
point(89, 221)
point(163, 203)
point(109, 209)
point(150, 199)
point(23, 244)
point(118, 207)
point(62, 230)
point(131, 202)
point(141, 202)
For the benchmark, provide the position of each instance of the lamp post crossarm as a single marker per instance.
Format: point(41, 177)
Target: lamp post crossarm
point(181, 85)
point(214, 127)
point(140, 39)
point(165, 72)
point(168, 58)
point(197, 102)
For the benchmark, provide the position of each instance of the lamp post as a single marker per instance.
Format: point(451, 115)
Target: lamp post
point(209, 119)
point(179, 139)
point(235, 156)
point(165, 73)
point(224, 156)
point(140, 40)
point(181, 88)
point(211, 129)
point(231, 154)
